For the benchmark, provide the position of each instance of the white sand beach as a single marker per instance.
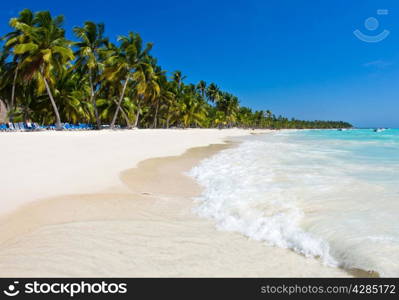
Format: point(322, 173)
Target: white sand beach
point(116, 203)
point(39, 165)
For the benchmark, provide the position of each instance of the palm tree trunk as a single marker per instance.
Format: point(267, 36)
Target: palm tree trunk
point(14, 83)
point(124, 116)
point(167, 121)
point(154, 125)
point(167, 117)
point(57, 114)
point(93, 101)
point(119, 104)
point(136, 122)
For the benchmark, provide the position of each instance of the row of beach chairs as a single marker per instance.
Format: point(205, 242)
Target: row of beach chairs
point(28, 126)
point(21, 126)
point(80, 126)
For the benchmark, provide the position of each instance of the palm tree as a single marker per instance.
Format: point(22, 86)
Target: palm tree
point(220, 119)
point(92, 41)
point(268, 116)
point(167, 98)
point(178, 77)
point(213, 92)
point(232, 109)
point(147, 88)
point(159, 94)
point(124, 61)
point(46, 52)
point(71, 92)
point(244, 116)
point(13, 39)
point(195, 110)
point(201, 87)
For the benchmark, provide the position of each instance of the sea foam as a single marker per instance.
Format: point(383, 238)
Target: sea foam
point(317, 193)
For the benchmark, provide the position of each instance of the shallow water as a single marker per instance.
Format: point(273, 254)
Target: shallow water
point(323, 193)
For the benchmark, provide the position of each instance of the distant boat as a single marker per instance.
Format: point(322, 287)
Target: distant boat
point(342, 129)
point(379, 129)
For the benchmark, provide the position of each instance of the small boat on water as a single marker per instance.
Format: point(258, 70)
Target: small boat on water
point(379, 129)
point(342, 129)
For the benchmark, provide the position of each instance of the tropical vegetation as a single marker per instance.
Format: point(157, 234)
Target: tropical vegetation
point(49, 79)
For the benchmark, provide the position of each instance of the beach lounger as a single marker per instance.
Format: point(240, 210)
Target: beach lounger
point(35, 126)
point(11, 126)
point(29, 126)
point(22, 126)
point(16, 126)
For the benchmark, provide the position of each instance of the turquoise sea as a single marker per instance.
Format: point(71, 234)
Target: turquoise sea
point(328, 194)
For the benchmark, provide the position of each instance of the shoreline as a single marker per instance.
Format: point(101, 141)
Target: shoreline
point(48, 164)
point(149, 231)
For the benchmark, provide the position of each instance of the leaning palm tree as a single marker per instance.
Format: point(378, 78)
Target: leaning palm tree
point(123, 62)
point(46, 52)
point(92, 42)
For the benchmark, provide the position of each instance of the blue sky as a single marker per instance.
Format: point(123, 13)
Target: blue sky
point(297, 58)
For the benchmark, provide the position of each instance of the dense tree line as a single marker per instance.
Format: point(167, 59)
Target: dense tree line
point(46, 78)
